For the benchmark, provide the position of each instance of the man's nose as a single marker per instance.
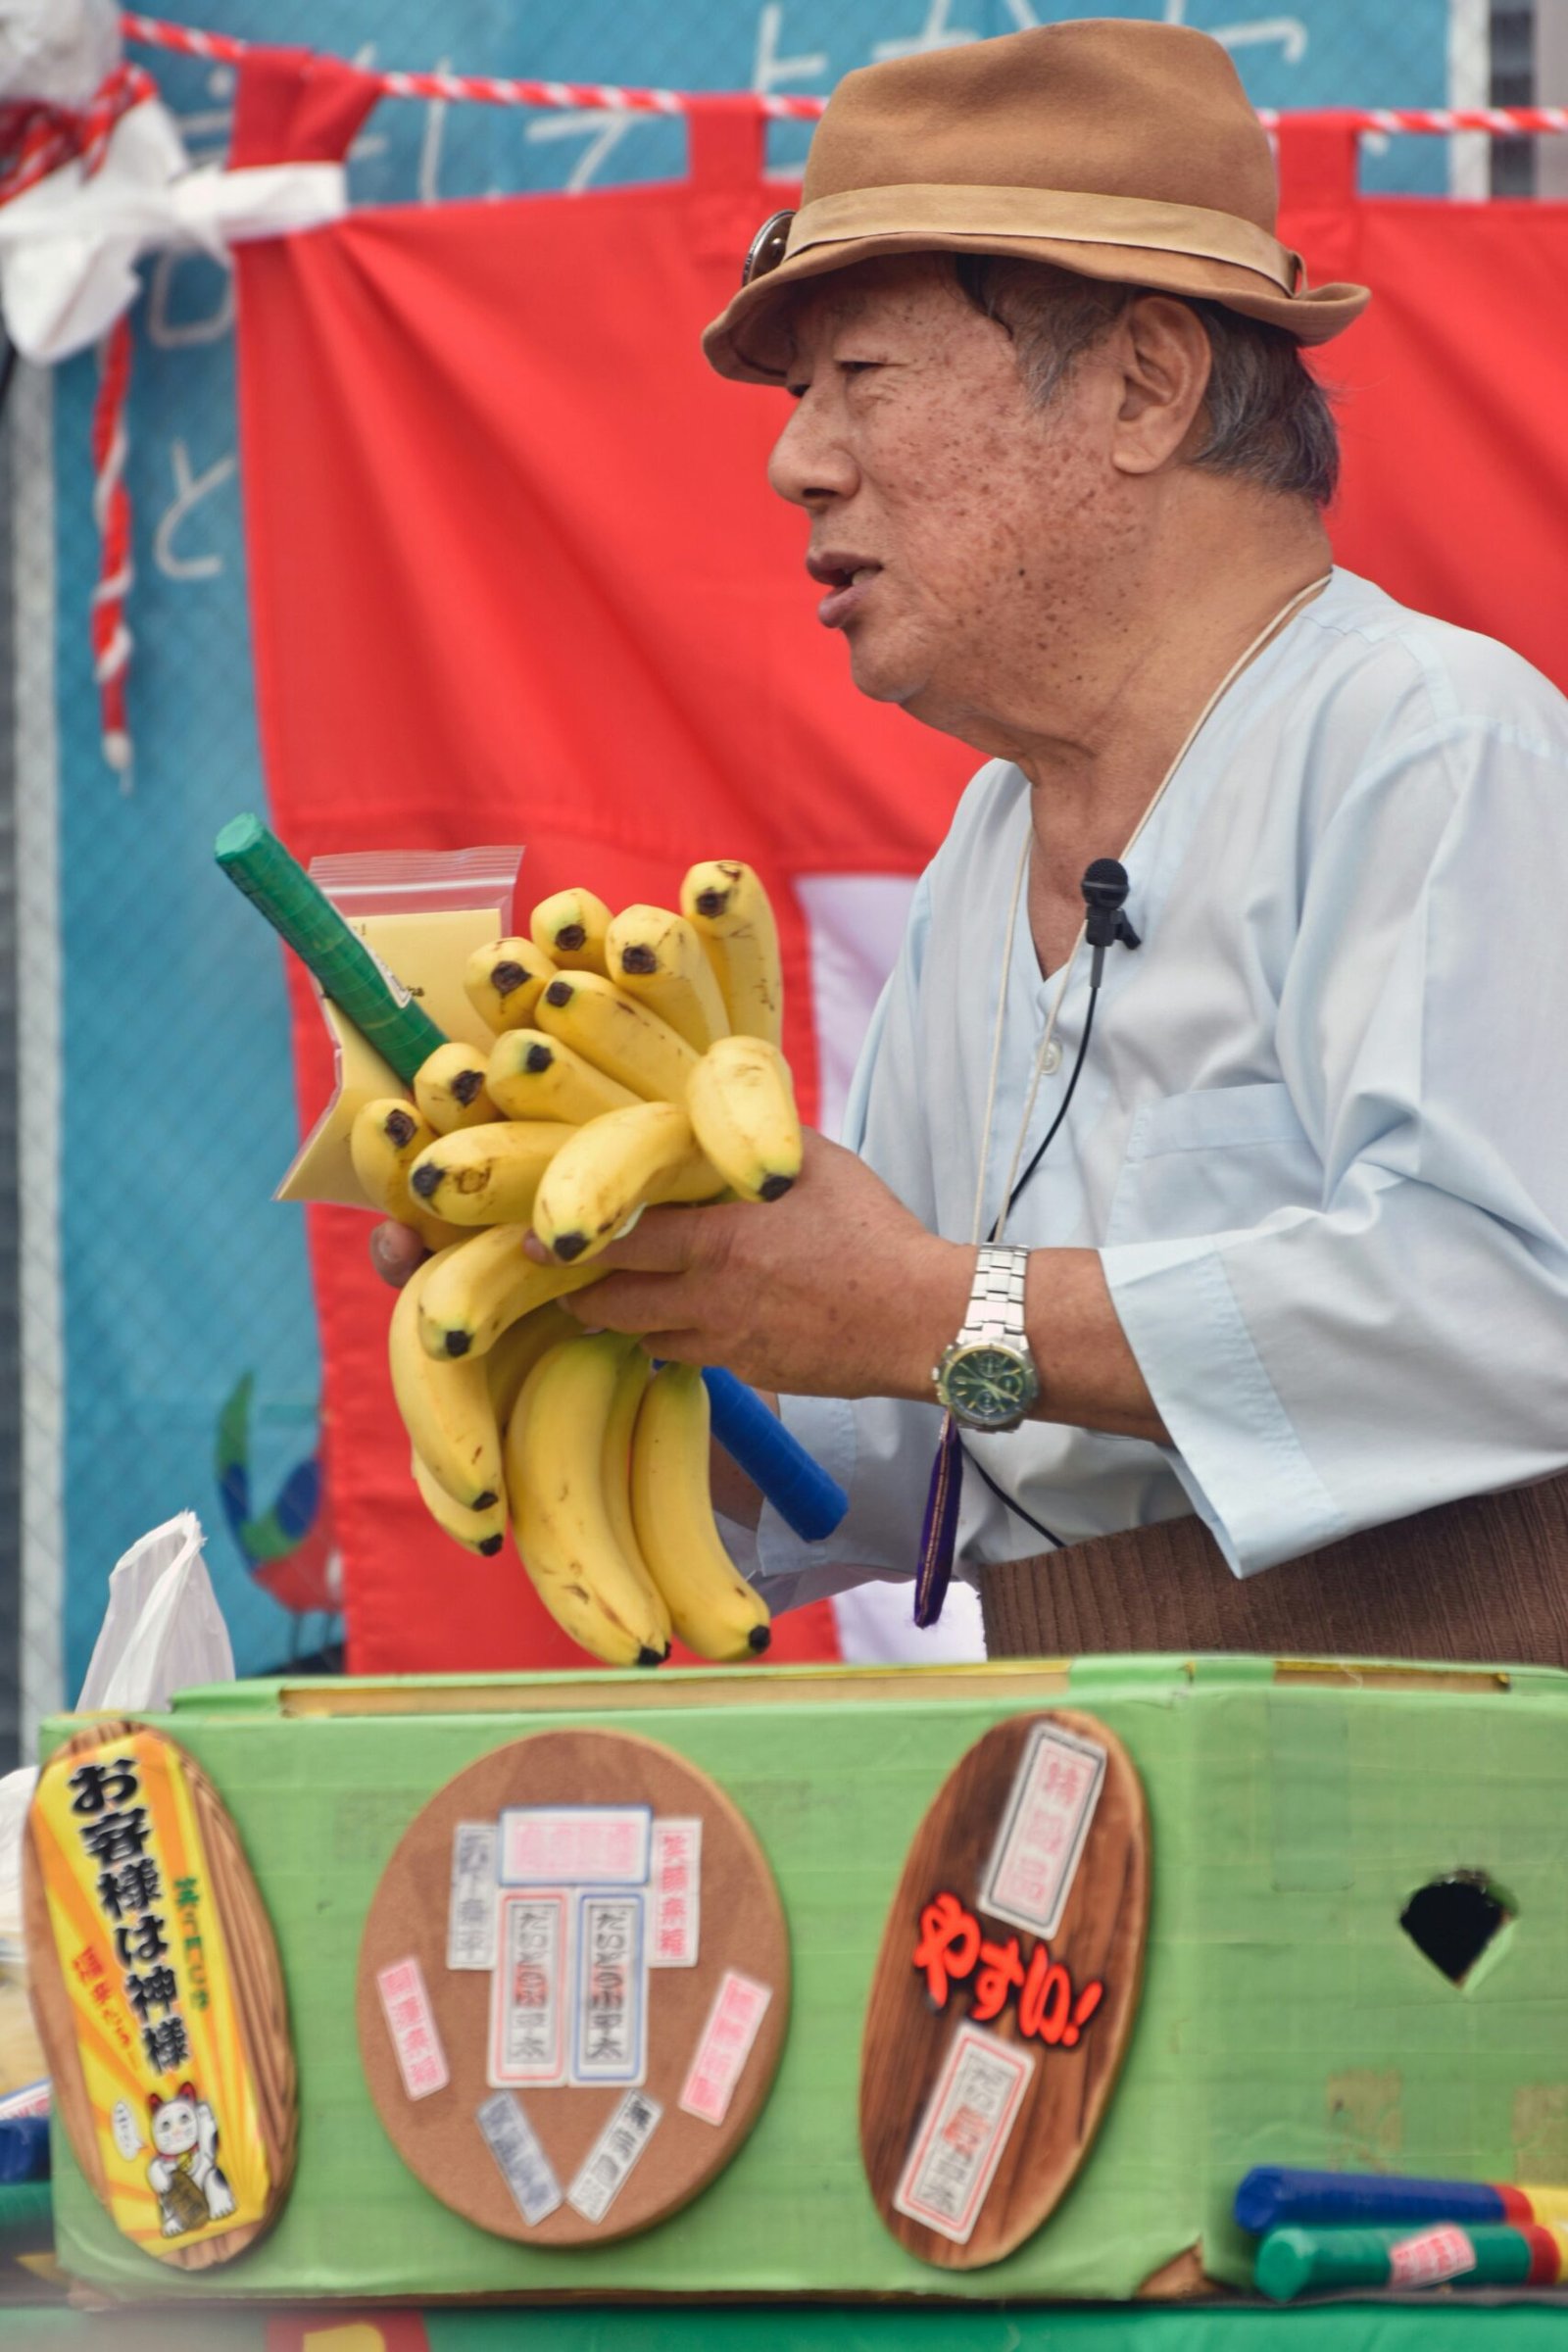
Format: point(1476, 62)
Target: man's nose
point(810, 463)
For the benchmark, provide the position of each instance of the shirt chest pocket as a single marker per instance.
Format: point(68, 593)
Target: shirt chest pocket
point(1212, 1161)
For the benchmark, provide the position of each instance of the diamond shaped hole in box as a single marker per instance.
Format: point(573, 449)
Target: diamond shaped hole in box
point(1451, 1921)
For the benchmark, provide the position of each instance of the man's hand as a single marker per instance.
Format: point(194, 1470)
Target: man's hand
point(395, 1252)
point(834, 1291)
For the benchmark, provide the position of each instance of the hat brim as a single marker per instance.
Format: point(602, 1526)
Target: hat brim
point(744, 344)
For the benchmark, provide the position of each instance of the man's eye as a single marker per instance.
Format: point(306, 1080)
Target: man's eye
point(859, 367)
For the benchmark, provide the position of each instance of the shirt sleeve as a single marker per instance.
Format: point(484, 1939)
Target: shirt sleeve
point(1404, 1342)
point(879, 1449)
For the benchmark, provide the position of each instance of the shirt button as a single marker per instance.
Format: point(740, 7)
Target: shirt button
point(1050, 1061)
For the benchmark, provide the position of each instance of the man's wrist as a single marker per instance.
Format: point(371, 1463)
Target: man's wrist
point(935, 1305)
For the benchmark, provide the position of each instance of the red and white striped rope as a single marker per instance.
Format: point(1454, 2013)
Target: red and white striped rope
point(487, 90)
point(110, 508)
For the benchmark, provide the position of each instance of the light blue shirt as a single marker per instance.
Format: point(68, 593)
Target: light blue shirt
point(1320, 1140)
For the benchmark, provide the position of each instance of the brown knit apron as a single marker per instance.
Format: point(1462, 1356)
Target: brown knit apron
point(1479, 1582)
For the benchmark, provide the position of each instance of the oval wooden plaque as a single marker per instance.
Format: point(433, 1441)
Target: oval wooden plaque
point(980, 2122)
point(741, 1929)
point(254, 2042)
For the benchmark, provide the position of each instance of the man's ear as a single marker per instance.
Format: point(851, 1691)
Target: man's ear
point(1163, 352)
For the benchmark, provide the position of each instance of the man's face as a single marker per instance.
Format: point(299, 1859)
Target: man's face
point(955, 526)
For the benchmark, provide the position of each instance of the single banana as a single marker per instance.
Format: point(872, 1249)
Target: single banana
point(385, 1140)
point(476, 1291)
point(449, 1088)
point(570, 928)
point(713, 1609)
point(445, 1405)
point(488, 1175)
point(627, 1041)
point(533, 1076)
point(554, 1468)
point(503, 982)
point(741, 1102)
point(730, 908)
point(631, 1383)
point(483, 1532)
point(658, 958)
point(609, 1170)
point(508, 1364)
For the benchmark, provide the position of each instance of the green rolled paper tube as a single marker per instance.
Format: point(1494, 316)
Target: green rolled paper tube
point(1302, 2261)
point(27, 2217)
point(257, 862)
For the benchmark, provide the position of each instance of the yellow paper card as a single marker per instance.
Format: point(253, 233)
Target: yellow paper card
point(143, 1956)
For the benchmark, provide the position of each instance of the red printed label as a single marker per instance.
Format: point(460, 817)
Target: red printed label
point(574, 1845)
point(962, 2132)
point(739, 2007)
point(1055, 1792)
point(411, 2022)
point(678, 1894)
point(529, 1991)
point(1430, 2256)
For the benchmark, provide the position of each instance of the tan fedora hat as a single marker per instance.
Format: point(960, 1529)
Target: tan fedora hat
point(1121, 149)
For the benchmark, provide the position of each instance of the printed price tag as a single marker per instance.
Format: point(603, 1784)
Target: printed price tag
point(612, 2155)
point(678, 1894)
point(962, 2132)
point(1055, 1792)
point(609, 2010)
point(524, 2166)
point(472, 1911)
point(528, 1992)
point(411, 2022)
point(574, 1845)
point(1430, 2256)
point(739, 2007)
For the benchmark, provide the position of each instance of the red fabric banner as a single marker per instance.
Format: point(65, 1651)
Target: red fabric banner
point(516, 575)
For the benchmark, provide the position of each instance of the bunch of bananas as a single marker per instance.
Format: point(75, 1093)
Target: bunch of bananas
point(635, 1061)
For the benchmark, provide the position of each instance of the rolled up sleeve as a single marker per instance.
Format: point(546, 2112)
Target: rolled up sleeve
point(1406, 1342)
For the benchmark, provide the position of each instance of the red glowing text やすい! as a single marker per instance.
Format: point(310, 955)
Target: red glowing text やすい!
point(952, 1949)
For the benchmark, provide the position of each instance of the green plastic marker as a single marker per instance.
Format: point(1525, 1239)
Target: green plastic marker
point(1300, 2261)
point(278, 885)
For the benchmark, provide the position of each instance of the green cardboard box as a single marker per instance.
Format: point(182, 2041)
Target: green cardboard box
point(1287, 2016)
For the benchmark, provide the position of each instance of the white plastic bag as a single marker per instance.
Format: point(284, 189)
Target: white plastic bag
point(162, 1629)
point(162, 1632)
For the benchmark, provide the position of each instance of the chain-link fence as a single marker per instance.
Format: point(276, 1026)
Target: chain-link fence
point(155, 1311)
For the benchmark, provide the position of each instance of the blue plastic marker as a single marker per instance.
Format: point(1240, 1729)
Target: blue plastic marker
point(23, 2149)
point(805, 1495)
point(1277, 2196)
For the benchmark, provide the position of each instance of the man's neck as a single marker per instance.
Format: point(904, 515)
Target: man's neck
point(1107, 722)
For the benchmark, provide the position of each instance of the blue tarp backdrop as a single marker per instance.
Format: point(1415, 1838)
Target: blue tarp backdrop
point(180, 1277)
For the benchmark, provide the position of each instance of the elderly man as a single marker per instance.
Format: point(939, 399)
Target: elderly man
point(1270, 1170)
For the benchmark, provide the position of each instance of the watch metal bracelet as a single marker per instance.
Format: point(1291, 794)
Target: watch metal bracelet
point(996, 1303)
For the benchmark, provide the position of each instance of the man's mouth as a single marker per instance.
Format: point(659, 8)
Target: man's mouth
point(847, 577)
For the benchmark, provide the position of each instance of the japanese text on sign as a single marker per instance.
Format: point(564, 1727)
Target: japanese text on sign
point(1043, 1831)
point(610, 2010)
point(677, 1875)
point(411, 2022)
point(739, 2007)
point(950, 1948)
point(528, 1992)
point(614, 2153)
point(959, 2139)
point(574, 1845)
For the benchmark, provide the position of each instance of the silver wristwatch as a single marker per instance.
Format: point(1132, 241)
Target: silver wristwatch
point(987, 1379)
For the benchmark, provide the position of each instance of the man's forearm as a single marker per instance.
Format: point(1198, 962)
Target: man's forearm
point(1089, 1375)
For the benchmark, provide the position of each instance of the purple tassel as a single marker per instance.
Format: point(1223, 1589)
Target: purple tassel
point(940, 1528)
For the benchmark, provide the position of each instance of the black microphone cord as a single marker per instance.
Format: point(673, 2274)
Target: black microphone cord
point(1126, 936)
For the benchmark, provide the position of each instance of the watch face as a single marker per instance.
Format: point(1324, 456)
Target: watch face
point(989, 1387)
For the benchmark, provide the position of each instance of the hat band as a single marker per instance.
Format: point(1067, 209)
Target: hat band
point(1062, 215)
